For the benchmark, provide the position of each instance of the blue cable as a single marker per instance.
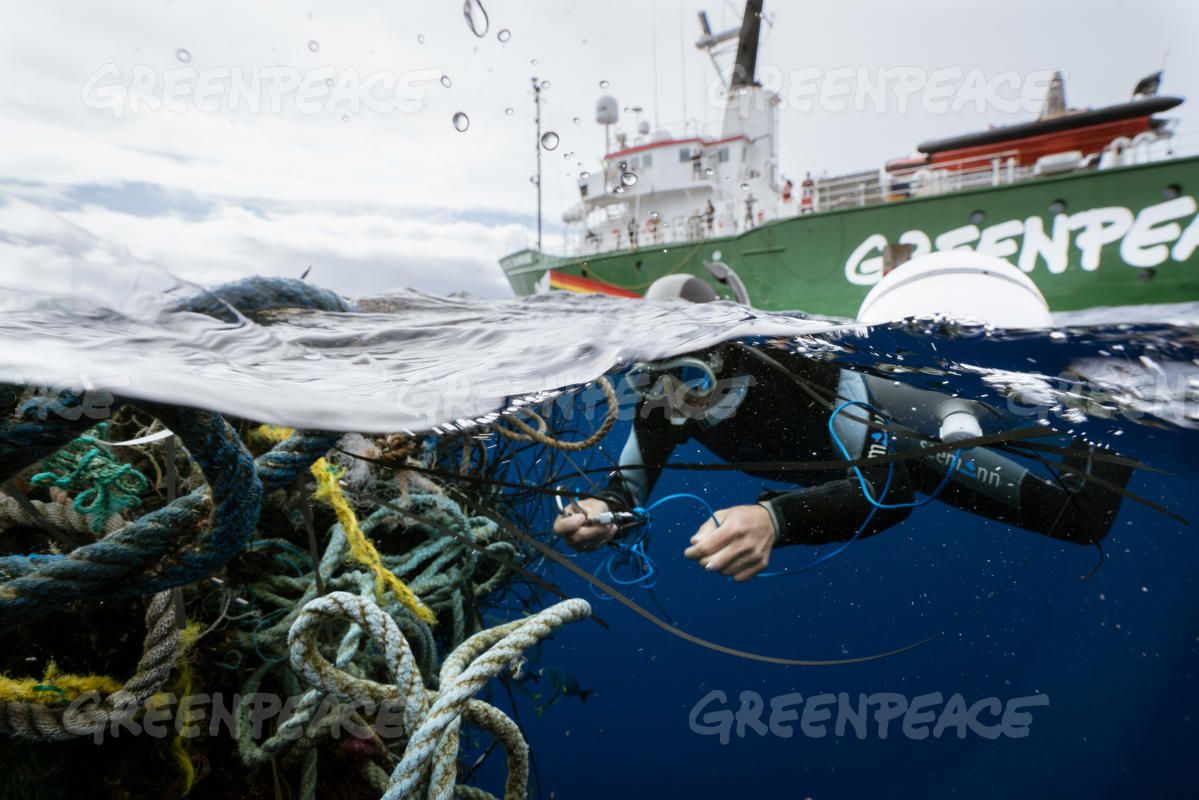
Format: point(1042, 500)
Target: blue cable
point(862, 478)
point(637, 549)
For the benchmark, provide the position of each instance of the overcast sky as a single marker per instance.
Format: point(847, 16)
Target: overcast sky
point(379, 198)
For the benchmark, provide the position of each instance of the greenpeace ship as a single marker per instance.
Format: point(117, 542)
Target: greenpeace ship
point(1095, 205)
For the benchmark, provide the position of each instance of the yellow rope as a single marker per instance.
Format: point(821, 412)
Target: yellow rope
point(182, 689)
point(361, 548)
point(54, 687)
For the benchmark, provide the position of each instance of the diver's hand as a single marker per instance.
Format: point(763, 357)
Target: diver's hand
point(740, 547)
point(571, 525)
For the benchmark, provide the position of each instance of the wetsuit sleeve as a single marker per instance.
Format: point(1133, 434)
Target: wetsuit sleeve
point(834, 511)
point(649, 445)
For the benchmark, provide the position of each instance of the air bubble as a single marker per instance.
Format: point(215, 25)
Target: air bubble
point(584, 175)
point(446, 82)
point(461, 121)
point(183, 55)
point(576, 120)
point(420, 38)
point(604, 84)
point(549, 140)
point(504, 35)
point(314, 45)
point(508, 111)
point(628, 178)
point(745, 187)
point(545, 84)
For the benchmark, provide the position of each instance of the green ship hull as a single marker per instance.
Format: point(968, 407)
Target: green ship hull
point(1115, 237)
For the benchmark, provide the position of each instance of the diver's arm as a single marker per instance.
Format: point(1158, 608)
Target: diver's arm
point(648, 447)
point(834, 511)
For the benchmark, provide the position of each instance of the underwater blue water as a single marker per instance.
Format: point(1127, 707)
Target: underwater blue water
point(1116, 653)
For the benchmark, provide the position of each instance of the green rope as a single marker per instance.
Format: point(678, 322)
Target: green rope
point(105, 485)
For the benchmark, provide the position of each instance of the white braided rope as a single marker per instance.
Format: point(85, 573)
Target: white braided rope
point(488, 652)
point(430, 719)
point(60, 513)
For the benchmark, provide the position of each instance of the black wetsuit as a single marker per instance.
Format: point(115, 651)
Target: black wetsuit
point(762, 415)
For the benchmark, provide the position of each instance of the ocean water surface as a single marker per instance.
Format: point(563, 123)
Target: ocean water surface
point(1076, 665)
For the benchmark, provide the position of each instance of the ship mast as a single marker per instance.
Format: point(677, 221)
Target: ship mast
point(537, 144)
point(746, 65)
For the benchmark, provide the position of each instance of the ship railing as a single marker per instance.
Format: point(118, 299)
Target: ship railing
point(872, 188)
point(656, 232)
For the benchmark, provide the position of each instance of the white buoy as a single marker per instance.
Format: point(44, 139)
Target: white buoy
point(966, 285)
point(963, 283)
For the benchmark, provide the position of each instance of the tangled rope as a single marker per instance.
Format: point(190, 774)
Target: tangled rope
point(105, 485)
point(529, 433)
point(249, 519)
point(432, 719)
point(60, 512)
point(178, 544)
point(191, 537)
point(57, 722)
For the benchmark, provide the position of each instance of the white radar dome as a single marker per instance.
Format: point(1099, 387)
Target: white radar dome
point(963, 283)
point(607, 111)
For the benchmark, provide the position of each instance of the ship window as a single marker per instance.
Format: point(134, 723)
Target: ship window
point(635, 162)
point(722, 155)
point(647, 160)
point(685, 155)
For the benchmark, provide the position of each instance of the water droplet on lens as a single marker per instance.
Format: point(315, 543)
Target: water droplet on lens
point(420, 38)
point(183, 55)
point(576, 120)
point(603, 84)
point(476, 17)
point(545, 84)
point(446, 82)
point(628, 178)
point(508, 112)
point(745, 187)
point(314, 45)
point(461, 122)
point(504, 35)
point(549, 140)
point(584, 175)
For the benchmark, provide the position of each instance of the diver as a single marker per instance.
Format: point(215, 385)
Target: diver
point(746, 405)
